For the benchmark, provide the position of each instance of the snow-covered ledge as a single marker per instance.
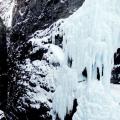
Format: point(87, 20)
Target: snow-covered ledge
point(2, 115)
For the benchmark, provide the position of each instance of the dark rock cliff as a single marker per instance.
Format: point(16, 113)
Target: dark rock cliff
point(3, 65)
point(116, 69)
point(32, 15)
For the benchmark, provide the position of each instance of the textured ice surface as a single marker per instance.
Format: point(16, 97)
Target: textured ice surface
point(90, 38)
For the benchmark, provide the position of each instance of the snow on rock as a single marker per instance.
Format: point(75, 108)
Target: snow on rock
point(38, 73)
point(6, 11)
point(40, 86)
point(2, 115)
point(58, 53)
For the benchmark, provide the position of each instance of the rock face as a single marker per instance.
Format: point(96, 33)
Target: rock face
point(32, 15)
point(116, 70)
point(3, 47)
point(3, 64)
point(31, 63)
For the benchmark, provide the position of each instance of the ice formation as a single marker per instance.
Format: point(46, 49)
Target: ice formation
point(66, 87)
point(92, 42)
point(90, 38)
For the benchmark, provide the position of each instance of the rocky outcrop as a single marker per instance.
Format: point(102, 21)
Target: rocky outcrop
point(31, 15)
point(116, 69)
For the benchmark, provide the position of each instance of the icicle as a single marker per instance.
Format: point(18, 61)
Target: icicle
point(64, 94)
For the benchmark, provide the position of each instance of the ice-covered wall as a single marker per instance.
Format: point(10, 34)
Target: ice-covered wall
point(93, 34)
point(90, 38)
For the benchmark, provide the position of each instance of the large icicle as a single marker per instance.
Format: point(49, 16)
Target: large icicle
point(65, 91)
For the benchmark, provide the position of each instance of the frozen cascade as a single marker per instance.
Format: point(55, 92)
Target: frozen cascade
point(92, 33)
point(90, 38)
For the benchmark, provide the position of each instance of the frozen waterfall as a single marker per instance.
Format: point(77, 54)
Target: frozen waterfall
point(90, 38)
